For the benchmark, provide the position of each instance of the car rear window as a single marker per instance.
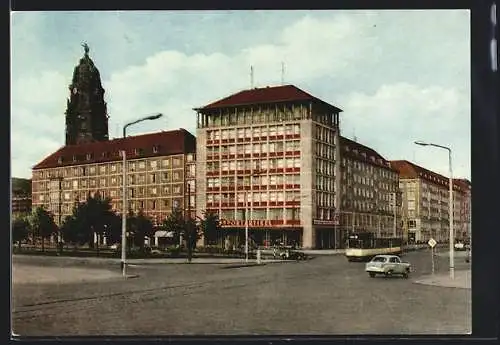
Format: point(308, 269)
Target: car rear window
point(379, 259)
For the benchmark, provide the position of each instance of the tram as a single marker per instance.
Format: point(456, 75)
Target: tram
point(362, 246)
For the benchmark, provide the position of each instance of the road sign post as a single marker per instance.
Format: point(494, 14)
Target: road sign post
point(432, 243)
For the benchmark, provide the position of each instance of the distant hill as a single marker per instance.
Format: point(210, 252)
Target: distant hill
point(21, 186)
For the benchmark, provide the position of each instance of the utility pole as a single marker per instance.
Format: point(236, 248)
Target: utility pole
point(188, 228)
point(59, 237)
point(251, 77)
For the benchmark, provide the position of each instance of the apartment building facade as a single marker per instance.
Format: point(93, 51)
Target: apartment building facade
point(463, 210)
point(370, 198)
point(425, 196)
point(269, 156)
point(160, 167)
point(20, 196)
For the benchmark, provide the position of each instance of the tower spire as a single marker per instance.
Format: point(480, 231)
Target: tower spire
point(85, 48)
point(86, 113)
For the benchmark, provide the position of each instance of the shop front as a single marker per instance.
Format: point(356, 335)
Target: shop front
point(261, 233)
point(328, 234)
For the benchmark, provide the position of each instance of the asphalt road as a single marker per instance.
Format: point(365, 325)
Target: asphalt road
point(325, 295)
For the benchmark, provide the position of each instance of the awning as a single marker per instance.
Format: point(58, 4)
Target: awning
point(162, 233)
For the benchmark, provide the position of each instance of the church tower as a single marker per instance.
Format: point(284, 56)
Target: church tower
point(86, 115)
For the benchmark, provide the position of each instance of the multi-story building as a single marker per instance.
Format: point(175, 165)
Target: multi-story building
point(370, 198)
point(159, 168)
point(425, 196)
point(272, 151)
point(462, 214)
point(21, 196)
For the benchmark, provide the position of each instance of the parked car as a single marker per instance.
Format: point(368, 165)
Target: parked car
point(387, 265)
point(287, 253)
point(155, 251)
point(460, 246)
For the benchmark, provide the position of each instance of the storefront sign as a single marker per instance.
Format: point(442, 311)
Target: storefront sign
point(228, 223)
point(326, 222)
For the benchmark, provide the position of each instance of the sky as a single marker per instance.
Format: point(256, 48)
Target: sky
point(398, 76)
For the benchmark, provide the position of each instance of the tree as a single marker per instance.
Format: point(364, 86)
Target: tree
point(210, 226)
point(73, 231)
point(43, 224)
point(97, 211)
point(191, 234)
point(114, 228)
point(174, 223)
point(143, 227)
point(20, 230)
point(94, 216)
point(187, 228)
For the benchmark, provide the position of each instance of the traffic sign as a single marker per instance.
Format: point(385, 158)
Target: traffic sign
point(432, 242)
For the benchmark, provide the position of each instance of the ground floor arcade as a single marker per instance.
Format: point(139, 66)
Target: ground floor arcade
point(232, 238)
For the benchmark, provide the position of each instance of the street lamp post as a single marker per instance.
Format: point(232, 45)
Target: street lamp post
point(124, 191)
point(452, 234)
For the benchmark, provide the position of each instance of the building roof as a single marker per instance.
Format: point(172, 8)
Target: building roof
point(410, 170)
point(139, 146)
point(357, 151)
point(463, 183)
point(274, 94)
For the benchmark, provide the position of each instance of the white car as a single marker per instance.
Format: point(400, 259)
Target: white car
point(387, 265)
point(459, 246)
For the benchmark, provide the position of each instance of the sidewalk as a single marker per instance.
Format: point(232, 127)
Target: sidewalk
point(34, 274)
point(158, 260)
point(462, 279)
point(323, 251)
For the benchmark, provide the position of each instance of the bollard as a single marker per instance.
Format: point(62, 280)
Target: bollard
point(258, 256)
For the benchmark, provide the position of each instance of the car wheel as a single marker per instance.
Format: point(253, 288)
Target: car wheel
point(388, 273)
point(405, 275)
point(372, 275)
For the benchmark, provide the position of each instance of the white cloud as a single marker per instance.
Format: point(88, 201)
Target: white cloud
point(394, 80)
point(37, 121)
point(396, 115)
